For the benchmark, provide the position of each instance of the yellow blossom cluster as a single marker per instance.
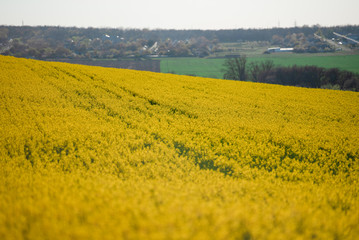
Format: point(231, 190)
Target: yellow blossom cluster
point(100, 153)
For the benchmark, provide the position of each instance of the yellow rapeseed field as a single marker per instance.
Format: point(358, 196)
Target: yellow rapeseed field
point(99, 153)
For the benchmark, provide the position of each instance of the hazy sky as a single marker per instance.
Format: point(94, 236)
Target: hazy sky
point(179, 14)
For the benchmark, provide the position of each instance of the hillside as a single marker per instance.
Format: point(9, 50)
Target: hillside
point(68, 43)
point(100, 153)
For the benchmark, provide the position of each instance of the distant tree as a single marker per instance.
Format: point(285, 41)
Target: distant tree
point(235, 68)
point(33, 53)
point(107, 44)
point(299, 49)
point(62, 52)
point(351, 84)
point(330, 76)
point(3, 34)
point(18, 49)
point(313, 49)
point(277, 40)
point(96, 43)
point(38, 43)
point(258, 72)
point(180, 50)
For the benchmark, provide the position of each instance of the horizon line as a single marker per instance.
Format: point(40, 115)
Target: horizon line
point(183, 29)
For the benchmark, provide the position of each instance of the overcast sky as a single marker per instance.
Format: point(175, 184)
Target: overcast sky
point(179, 14)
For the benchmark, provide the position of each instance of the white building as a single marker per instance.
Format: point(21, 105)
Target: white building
point(278, 49)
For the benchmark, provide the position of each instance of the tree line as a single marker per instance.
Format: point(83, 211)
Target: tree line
point(70, 42)
point(230, 35)
point(302, 76)
point(59, 42)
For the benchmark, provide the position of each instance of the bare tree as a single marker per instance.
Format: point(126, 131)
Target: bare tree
point(258, 72)
point(235, 68)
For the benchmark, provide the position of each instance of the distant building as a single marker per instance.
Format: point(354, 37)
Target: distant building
point(278, 49)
